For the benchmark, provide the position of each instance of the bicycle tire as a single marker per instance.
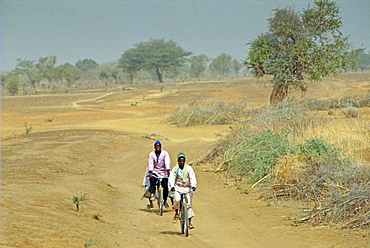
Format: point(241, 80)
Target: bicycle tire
point(160, 201)
point(186, 219)
point(182, 218)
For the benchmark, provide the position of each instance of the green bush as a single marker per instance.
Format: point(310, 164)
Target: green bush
point(13, 84)
point(256, 155)
point(335, 188)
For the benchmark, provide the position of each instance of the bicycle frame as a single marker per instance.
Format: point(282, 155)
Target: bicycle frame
point(183, 213)
point(160, 193)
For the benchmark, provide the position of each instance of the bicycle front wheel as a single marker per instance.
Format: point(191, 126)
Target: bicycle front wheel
point(185, 220)
point(160, 201)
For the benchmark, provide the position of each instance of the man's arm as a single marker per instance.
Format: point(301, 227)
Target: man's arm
point(171, 179)
point(150, 163)
point(192, 177)
point(167, 161)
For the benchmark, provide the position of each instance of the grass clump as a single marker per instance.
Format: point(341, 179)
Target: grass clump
point(211, 113)
point(92, 242)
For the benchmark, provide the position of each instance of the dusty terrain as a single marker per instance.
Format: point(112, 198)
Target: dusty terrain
point(97, 142)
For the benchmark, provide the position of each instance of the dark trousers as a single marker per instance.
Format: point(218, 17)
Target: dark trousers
point(153, 183)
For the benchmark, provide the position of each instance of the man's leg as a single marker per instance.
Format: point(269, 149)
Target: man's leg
point(165, 190)
point(153, 183)
point(176, 206)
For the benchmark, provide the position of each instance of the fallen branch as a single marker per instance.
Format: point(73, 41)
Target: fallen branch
point(263, 178)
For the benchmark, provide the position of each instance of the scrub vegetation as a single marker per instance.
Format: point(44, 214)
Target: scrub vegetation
point(286, 153)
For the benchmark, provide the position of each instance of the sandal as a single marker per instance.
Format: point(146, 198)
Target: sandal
point(175, 218)
point(191, 226)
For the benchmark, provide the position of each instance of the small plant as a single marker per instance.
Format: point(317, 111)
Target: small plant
point(90, 242)
point(351, 112)
point(79, 200)
point(28, 128)
point(162, 88)
point(54, 89)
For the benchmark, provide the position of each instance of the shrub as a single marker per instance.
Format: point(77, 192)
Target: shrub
point(13, 85)
point(350, 112)
point(255, 156)
point(212, 113)
point(281, 116)
point(271, 151)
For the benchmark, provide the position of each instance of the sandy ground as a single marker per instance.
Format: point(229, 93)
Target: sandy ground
point(98, 143)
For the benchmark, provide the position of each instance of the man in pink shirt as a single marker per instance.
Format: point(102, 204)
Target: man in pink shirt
point(159, 164)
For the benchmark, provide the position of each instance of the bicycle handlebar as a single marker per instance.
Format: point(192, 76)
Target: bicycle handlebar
point(184, 192)
point(156, 176)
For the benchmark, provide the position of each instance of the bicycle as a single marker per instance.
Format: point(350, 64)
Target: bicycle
point(183, 213)
point(159, 193)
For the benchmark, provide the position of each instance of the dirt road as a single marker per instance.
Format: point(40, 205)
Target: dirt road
point(98, 143)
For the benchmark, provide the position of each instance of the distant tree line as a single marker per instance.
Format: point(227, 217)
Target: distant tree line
point(151, 60)
point(297, 49)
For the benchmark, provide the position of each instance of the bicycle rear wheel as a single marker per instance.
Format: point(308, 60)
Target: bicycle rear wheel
point(160, 201)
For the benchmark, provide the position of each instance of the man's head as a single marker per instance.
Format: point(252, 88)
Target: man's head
point(181, 159)
point(157, 146)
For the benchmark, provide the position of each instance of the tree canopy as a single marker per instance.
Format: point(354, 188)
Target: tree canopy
point(363, 60)
point(301, 48)
point(86, 64)
point(131, 62)
point(46, 67)
point(28, 68)
point(156, 55)
point(222, 64)
point(68, 72)
point(198, 65)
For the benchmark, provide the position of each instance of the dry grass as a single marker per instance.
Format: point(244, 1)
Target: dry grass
point(288, 168)
point(207, 113)
point(352, 135)
point(315, 159)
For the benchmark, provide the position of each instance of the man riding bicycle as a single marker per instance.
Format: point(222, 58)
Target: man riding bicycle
point(159, 164)
point(182, 178)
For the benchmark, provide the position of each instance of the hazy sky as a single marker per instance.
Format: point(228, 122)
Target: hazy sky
point(103, 29)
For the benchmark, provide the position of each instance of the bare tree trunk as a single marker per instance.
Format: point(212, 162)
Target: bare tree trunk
point(159, 75)
point(279, 93)
point(131, 78)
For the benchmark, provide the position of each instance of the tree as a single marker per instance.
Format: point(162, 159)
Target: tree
point(237, 66)
point(12, 85)
point(28, 68)
point(363, 61)
point(131, 62)
point(86, 64)
point(222, 64)
point(109, 73)
point(300, 48)
point(46, 67)
point(69, 73)
point(158, 55)
point(198, 65)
